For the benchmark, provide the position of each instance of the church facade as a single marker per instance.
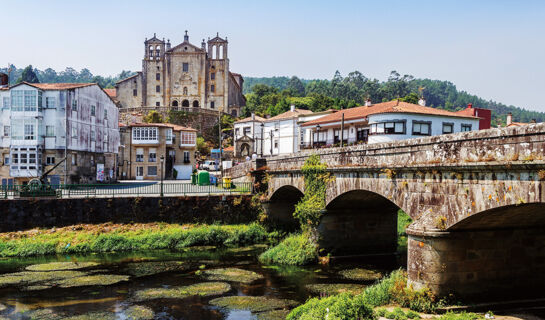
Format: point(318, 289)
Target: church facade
point(184, 77)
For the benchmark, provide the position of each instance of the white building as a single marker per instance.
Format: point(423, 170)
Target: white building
point(281, 134)
point(44, 123)
point(387, 121)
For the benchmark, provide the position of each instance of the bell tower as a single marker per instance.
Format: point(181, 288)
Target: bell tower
point(153, 74)
point(218, 86)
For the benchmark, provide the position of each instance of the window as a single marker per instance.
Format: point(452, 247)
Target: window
point(74, 133)
point(75, 105)
point(105, 114)
point(466, 127)
point(276, 144)
point(388, 127)
point(17, 100)
point(362, 134)
point(212, 104)
point(213, 76)
point(212, 88)
point(30, 133)
point(139, 171)
point(237, 131)
point(157, 76)
point(93, 135)
point(6, 131)
point(49, 160)
point(134, 92)
point(169, 136)
point(50, 102)
point(157, 104)
point(49, 131)
point(93, 111)
point(185, 67)
point(74, 159)
point(186, 157)
point(157, 88)
point(144, 133)
point(6, 159)
point(152, 170)
point(185, 91)
point(152, 155)
point(6, 102)
point(188, 138)
point(247, 131)
point(30, 100)
point(140, 155)
point(422, 128)
point(448, 127)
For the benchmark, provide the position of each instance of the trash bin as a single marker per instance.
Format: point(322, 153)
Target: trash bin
point(213, 180)
point(193, 178)
point(226, 182)
point(203, 178)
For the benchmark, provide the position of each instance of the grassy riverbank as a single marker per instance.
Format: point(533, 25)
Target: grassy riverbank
point(124, 237)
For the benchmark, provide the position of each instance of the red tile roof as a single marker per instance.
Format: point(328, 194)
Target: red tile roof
point(229, 149)
point(257, 118)
point(290, 114)
point(111, 92)
point(394, 106)
point(56, 86)
point(162, 125)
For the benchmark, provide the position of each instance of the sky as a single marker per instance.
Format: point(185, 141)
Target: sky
point(492, 48)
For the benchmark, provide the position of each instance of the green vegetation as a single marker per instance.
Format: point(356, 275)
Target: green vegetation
point(275, 95)
point(295, 250)
point(361, 274)
point(403, 221)
point(58, 266)
point(129, 238)
point(273, 315)
point(204, 289)
point(254, 304)
point(460, 316)
point(139, 313)
point(342, 306)
point(232, 274)
point(28, 75)
point(153, 117)
point(335, 288)
point(148, 268)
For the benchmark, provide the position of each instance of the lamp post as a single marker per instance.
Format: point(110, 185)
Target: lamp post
point(162, 163)
point(271, 134)
point(318, 127)
point(262, 137)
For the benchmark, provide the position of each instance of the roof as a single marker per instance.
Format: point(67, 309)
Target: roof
point(394, 106)
point(257, 118)
point(229, 149)
point(517, 124)
point(56, 86)
point(123, 80)
point(290, 114)
point(162, 125)
point(111, 92)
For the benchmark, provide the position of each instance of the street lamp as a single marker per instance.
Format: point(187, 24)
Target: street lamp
point(262, 126)
point(318, 127)
point(271, 133)
point(162, 163)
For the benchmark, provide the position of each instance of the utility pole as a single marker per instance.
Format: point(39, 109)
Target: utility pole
point(342, 130)
point(220, 140)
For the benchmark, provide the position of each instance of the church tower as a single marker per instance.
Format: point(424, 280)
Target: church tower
point(218, 84)
point(153, 75)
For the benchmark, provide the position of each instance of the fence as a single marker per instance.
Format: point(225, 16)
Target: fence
point(144, 189)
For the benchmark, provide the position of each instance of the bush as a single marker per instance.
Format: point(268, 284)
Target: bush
point(295, 250)
point(460, 316)
point(340, 307)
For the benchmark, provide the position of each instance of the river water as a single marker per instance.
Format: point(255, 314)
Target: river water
point(63, 297)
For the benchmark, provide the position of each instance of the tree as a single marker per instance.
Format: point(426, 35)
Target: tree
point(29, 75)
point(202, 147)
point(296, 87)
point(410, 98)
point(153, 117)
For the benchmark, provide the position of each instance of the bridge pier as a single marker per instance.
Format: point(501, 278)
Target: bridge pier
point(483, 264)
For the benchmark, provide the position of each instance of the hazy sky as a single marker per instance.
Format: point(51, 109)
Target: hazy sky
point(494, 49)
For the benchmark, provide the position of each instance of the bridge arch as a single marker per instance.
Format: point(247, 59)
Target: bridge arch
point(281, 205)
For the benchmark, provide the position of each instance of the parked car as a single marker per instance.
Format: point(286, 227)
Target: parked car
point(209, 165)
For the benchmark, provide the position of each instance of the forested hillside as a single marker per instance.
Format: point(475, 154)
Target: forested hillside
point(274, 95)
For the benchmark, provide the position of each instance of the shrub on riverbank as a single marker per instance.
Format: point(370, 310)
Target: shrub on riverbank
point(295, 250)
point(342, 306)
point(107, 238)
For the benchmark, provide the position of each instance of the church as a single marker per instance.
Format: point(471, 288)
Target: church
point(184, 77)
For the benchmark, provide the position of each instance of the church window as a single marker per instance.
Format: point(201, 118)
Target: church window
point(157, 104)
point(221, 52)
point(214, 52)
point(212, 104)
point(213, 76)
point(212, 88)
point(134, 92)
point(185, 91)
point(157, 88)
point(185, 67)
point(157, 76)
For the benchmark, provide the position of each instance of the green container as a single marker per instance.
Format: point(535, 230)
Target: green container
point(193, 178)
point(203, 178)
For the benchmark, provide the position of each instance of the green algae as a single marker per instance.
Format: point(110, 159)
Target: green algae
point(231, 274)
point(93, 316)
point(273, 315)
point(361, 274)
point(335, 288)
point(30, 278)
point(139, 313)
point(200, 289)
point(42, 314)
point(253, 303)
point(248, 249)
point(142, 269)
point(59, 266)
point(92, 280)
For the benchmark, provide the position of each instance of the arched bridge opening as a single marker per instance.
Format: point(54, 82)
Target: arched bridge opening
point(281, 206)
point(359, 222)
point(500, 251)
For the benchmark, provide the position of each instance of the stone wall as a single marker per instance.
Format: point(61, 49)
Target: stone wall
point(25, 214)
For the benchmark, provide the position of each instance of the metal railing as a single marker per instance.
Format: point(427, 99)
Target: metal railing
point(132, 189)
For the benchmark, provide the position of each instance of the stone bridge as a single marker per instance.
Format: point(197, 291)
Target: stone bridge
point(476, 198)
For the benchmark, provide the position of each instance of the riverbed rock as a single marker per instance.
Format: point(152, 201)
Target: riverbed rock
point(253, 303)
point(273, 315)
point(31, 278)
point(59, 266)
point(361, 274)
point(335, 288)
point(204, 289)
point(92, 280)
point(93, 316)
point(142, 269)
point(139, 313)
point(231, 274)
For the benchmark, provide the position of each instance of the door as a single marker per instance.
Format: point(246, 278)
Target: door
point(139, 173)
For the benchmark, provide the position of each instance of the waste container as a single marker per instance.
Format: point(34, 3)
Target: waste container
point(213, 180)
point(203, 178)
point(193, 178)
point(226, 182)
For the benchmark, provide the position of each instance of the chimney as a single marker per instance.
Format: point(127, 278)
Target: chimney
point(186, 37)
point(368, 102)
point(3, 80)
point(292, 108)
point(253, 116)
point(203, 44)
point(509, 118)
point(168, 44)
point(422, 102)
point(533, 121)
point(470, 105)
